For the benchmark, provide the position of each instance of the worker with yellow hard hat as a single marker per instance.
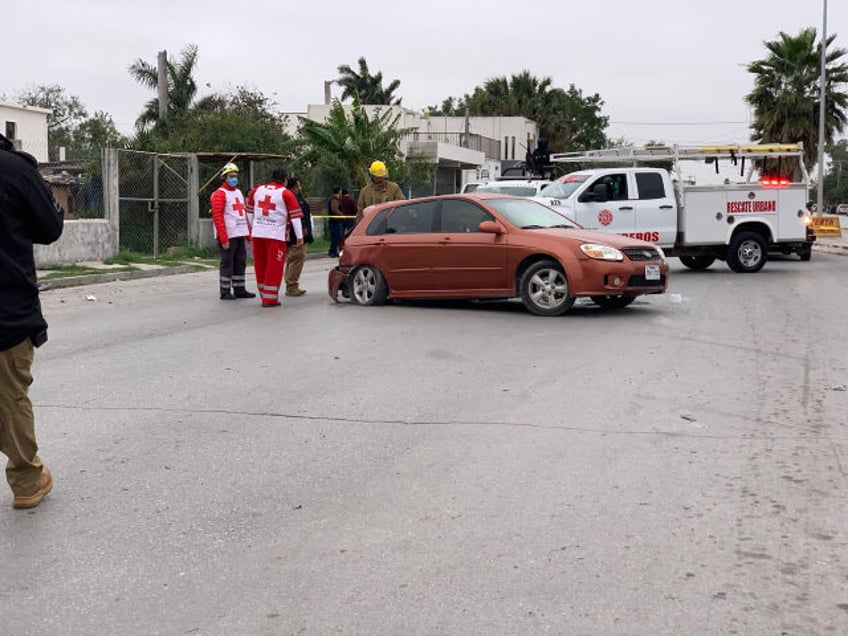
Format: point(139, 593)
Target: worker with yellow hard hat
point(380, 189)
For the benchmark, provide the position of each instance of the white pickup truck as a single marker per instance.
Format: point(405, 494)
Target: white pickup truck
point(736, 222)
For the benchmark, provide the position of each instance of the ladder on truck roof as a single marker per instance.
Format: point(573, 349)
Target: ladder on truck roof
point(677, 153)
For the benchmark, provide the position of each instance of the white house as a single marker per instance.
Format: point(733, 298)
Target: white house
point(26, 126)
point(464, 148)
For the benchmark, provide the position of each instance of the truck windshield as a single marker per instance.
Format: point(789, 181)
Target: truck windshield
point(565, 186)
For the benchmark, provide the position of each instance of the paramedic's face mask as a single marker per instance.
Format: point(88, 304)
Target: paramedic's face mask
point(232, 181)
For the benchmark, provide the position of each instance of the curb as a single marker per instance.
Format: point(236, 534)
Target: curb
point(830, 248)
point(91, 279)
point(110, 277)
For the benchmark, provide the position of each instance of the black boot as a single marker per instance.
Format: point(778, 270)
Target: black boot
point(227, 295)
point(241, 292)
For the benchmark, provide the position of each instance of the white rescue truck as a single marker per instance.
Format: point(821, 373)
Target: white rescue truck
point(735, 222)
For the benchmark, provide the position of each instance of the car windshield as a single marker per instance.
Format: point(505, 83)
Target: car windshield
point(529, 215)
point(514, 190)
point(565, 188)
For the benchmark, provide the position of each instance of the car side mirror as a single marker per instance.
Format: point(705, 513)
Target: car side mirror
point(491, 227)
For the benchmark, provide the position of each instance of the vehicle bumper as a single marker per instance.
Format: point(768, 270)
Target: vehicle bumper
point(619, 279)
point(337, 282)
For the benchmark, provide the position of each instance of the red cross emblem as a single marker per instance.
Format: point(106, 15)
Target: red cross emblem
point(266, 205)
point(238, 206)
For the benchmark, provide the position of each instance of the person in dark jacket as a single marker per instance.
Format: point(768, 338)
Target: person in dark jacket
point(28, 214)
point(296, 254)
point(335, 223)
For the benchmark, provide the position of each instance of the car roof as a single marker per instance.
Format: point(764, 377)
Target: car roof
point(468, 196)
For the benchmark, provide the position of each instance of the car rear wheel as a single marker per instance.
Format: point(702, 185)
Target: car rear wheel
point(367, 286)
point(747, 253)
point(697, 263)
point(806, 254)
point(613, 302)
point(544, 289)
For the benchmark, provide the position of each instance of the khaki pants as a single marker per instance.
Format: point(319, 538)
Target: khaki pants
point(17, 426)
point(294, 265)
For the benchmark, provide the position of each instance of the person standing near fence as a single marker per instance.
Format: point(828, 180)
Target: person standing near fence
point(232, 230)
point(335, 222)
point(28, 214)
point(380, 189)
point(349, 209)
point(296, 253)
point(274, 208)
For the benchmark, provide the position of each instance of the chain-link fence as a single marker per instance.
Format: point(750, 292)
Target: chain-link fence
point(154, 201)
point(78, 189)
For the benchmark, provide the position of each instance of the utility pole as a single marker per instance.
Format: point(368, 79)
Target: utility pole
point(820, 199)
point(162, 75)
point(327, 95)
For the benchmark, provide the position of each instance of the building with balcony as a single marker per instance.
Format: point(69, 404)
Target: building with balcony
point(464, 149)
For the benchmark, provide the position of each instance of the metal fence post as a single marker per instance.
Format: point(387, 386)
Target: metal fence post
point(111, 190)
point(155, 206)
point(193, 207)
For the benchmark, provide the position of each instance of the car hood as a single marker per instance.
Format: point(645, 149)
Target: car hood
point(593, 236)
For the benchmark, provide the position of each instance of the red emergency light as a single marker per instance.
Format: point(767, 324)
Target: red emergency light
point(774, 182)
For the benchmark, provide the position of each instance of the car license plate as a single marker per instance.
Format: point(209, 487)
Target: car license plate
point(652, 272)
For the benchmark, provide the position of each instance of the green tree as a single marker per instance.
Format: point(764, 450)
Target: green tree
point(836, 179)
point(786, 92)
point(182, 88)
point(567, 119)
point(451, 107)
point(68, 114)
point(366, 87)
point(241, 121)
point(340, 149)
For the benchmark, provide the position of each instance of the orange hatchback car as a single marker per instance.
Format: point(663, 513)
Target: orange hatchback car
point(494, 247)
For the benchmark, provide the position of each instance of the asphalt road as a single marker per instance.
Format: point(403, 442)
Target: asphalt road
point(678, 467)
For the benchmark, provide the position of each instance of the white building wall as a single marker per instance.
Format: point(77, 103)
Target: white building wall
point(30, 126)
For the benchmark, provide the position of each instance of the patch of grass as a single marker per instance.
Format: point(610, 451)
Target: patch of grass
point(320, 245)
point(68, 271)
point(171, 257)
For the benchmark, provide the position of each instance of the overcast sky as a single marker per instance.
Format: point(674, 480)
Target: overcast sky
point(670, 70)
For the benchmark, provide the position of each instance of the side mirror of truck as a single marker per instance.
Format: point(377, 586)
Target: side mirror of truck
point(599, 193)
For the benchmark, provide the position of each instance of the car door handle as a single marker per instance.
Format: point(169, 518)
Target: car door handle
point(666, 207)
point(626, 207)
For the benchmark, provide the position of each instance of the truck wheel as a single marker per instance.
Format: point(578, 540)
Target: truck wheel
point(613, 302)
point(747, 253)
point(697, 263)
point(544, 289)
point(806, 254)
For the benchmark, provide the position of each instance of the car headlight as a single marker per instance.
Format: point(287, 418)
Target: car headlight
point(601, 252)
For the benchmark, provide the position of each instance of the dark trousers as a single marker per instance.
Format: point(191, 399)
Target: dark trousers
point(336, 233)
point(233, 262)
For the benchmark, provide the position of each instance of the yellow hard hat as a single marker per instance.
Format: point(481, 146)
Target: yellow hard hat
point(378, 169)
point(230, 167)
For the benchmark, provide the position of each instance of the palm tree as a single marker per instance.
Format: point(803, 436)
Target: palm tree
point(344, 145)
point(786, 94)
point(566, 119)
point(366, 87)
point(182, 88)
